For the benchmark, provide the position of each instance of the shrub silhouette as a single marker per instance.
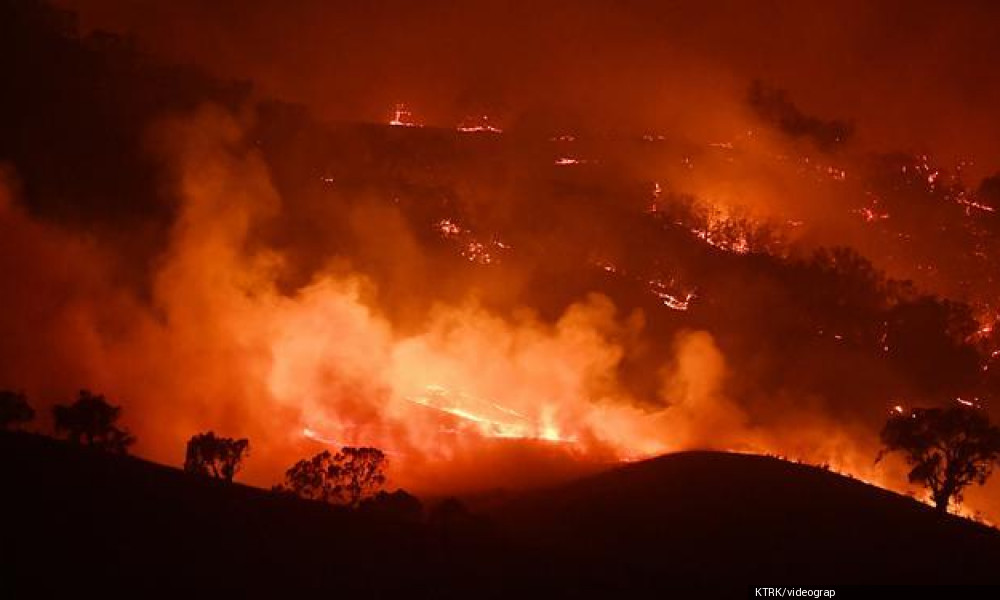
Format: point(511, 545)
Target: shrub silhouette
point(398, 505)
point(948, 449)
point(346, 477)
point(91, 421)
point(14, 409)
point(214, 456)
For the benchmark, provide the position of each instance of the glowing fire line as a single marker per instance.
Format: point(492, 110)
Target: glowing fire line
point(440, 399)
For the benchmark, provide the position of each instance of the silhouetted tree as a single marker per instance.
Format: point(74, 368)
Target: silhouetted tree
point(343, 478)
point(14, 409)
point(948, 448)
point(315, 478)
point(214, 456)
point(927, 342)
point(844, 293)
point(362, 472)
point(91, 421)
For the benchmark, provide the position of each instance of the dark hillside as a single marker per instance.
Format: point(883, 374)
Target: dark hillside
point(709, 517)
point(81, 521)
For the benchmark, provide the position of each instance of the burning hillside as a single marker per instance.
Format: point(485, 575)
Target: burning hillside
point(499, 293)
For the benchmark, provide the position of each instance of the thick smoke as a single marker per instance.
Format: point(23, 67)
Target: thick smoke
point(220, 347)
point(910, 79)
point(471, 399)
point(298, 301)
point(775, 108)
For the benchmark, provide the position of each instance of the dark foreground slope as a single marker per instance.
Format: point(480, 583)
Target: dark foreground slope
point(712, 517)
point(75, 520)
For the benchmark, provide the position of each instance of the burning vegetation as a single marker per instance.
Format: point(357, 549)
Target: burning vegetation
point(486, 306)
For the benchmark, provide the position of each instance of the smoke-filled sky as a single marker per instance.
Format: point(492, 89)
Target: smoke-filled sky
point(917, 76)
point(642, 263)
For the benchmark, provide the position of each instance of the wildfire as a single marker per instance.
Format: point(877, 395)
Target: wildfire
point(476, 252)
point(434, 387)
point(873, 212)
point(671, 300)
point(402, 117)
point(309, 433)
point(480, 124)
point(469, 247)
point(870, 215)
point(487, 418)
point(972, 204)
point(711, 236)
point(448, 228)
point(606, 266)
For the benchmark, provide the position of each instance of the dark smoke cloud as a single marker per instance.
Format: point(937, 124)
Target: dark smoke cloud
point(774, 107)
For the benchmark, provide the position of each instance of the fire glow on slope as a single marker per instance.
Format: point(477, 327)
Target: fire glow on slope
point(468, 399)
point(480, 124)
point(486, 418)
point(455, 403)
